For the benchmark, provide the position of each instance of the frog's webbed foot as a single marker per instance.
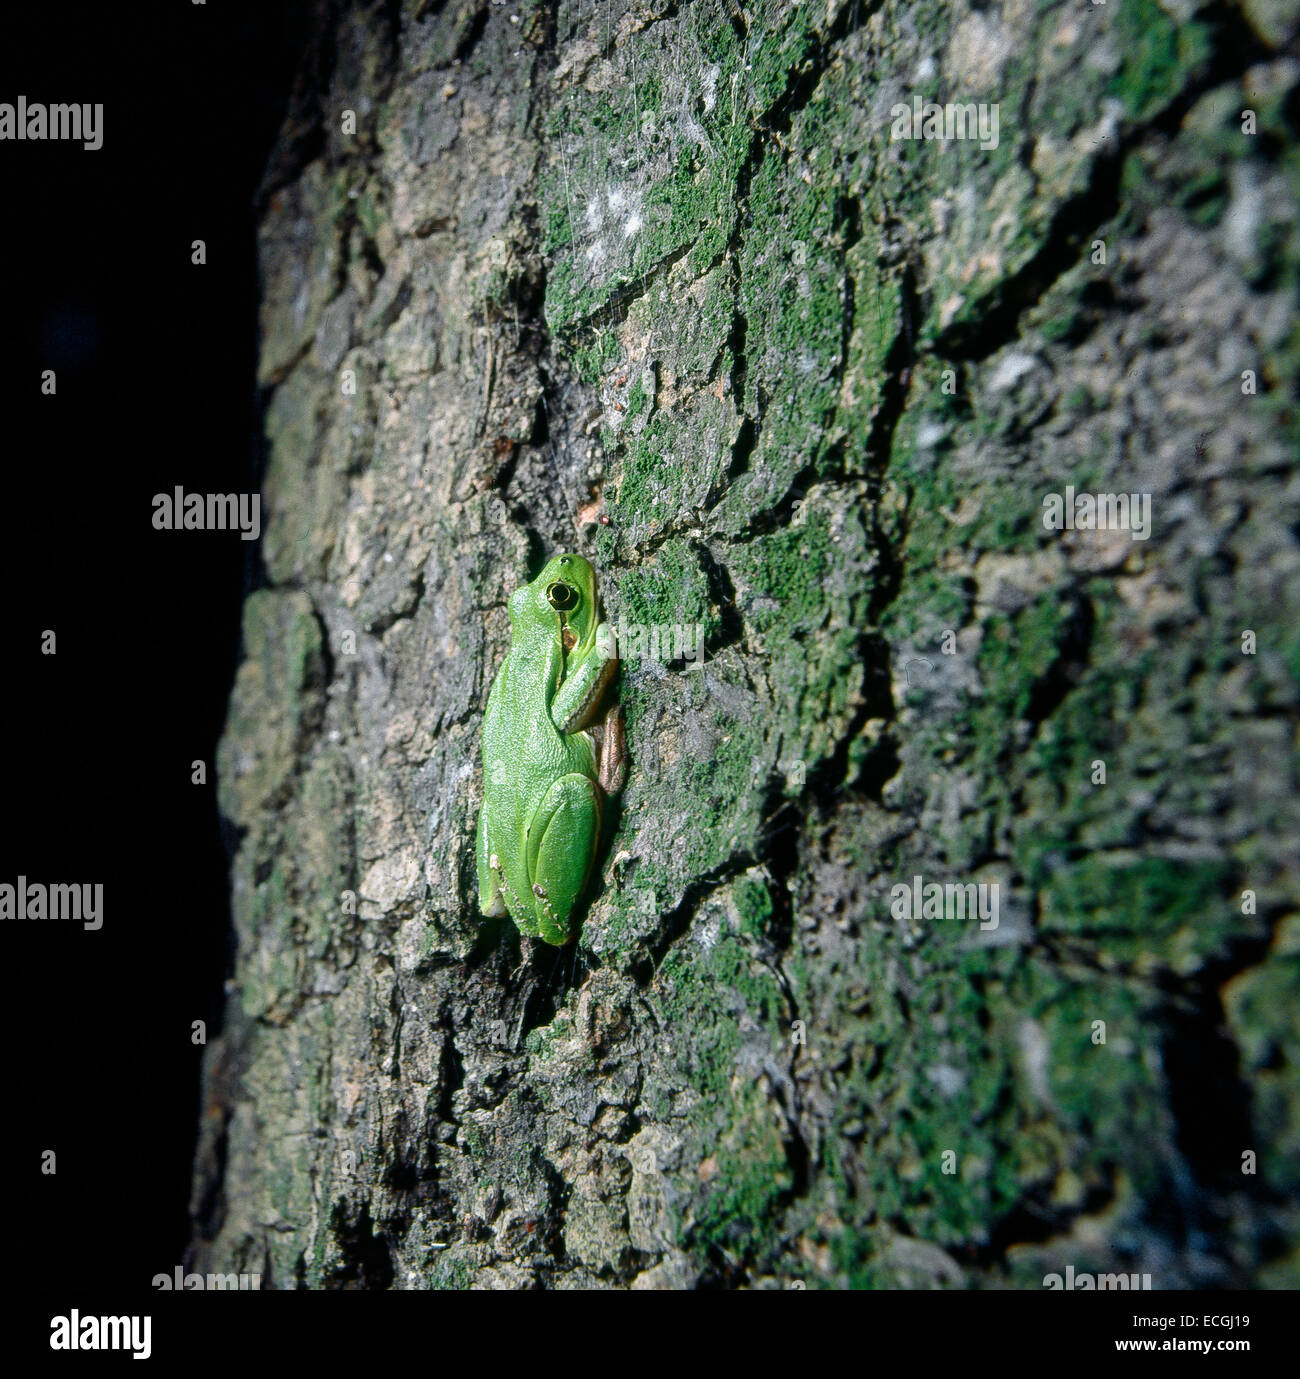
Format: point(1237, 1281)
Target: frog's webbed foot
point(610, 742)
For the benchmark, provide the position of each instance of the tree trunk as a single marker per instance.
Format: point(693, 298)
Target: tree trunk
point(688, 290)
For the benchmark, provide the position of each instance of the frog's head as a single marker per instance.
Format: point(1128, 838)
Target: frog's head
point(568, 586)
point(562, 602)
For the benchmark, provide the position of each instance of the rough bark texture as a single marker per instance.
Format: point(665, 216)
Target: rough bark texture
point(663, 262)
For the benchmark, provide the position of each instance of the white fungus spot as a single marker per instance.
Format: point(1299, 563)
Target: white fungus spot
point(1010, 371)
point(710, 75)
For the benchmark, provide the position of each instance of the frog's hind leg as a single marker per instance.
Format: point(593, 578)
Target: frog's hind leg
point(562, 841)
point(490, 899)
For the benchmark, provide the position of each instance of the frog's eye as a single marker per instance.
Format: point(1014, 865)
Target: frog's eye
point(561, 597)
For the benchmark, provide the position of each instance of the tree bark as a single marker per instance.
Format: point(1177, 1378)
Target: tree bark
point(674, 264)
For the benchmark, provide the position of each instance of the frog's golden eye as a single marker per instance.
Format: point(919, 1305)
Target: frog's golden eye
point(562, 597)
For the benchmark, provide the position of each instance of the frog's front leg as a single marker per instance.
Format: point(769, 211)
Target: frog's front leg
point(578, 697)
point(562, 839)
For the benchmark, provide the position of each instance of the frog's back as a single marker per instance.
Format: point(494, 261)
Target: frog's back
point(523, 752)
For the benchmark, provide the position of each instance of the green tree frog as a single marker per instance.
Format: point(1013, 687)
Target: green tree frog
point(550, 756)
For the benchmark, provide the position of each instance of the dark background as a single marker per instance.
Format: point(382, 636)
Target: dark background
point(155, 362)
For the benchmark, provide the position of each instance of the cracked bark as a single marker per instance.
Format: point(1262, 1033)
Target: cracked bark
point(819, 382)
